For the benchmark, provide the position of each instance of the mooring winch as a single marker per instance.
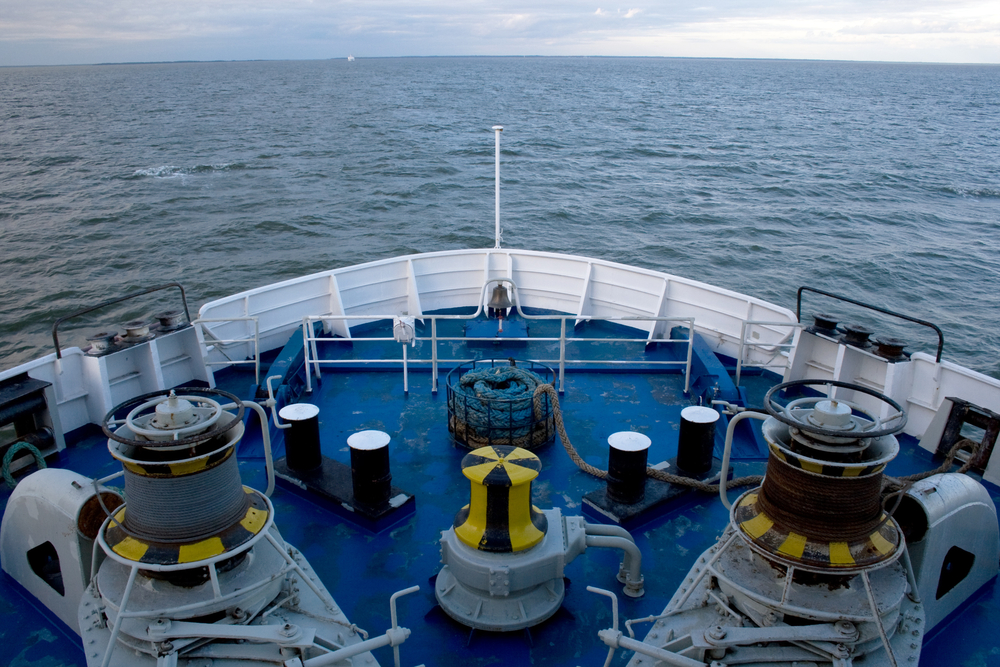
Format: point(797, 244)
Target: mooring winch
point(191, 568)
point(813, 567)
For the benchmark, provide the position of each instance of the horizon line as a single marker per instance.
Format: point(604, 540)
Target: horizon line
point(345, 58)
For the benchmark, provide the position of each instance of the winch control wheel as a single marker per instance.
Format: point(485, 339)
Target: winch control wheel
point(142, 410)
point(792, 414)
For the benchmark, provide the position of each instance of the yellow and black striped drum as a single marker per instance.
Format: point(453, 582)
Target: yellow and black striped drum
point(841, 553)
point(140, 549)
point(500, 517)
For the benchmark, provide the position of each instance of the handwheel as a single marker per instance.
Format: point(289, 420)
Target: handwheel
point(142, 411)
point(795, 415)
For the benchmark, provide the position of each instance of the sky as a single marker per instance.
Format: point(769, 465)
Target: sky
point(61, 32)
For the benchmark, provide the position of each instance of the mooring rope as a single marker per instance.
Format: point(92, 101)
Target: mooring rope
point(8, 458)
point(549, 390)
point(891, 486)
point(897, 484)
point(496, 406)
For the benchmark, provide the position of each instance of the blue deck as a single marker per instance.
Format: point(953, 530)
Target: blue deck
point(362, 569)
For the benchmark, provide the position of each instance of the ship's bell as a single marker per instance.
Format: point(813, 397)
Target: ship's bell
point(500, 299)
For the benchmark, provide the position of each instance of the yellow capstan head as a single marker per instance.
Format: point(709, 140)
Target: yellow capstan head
point(500, 517)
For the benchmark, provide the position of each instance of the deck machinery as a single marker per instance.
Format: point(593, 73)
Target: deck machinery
point(813, 568)
point(191, 569)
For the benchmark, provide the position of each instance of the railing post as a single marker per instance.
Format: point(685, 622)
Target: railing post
point(315, 351)
point(305, 348)
point(256, 350)
point(687, 366)
point(739, 359)
point(434, 355)
point(562, 355)
point(406, 378)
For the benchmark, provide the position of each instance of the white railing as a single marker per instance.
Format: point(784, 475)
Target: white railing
point(313, 361)
point(446, 280)
point(777, 349)
point(208, 338)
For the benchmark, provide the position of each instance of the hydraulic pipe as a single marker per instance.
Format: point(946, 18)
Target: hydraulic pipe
point(631, 563)
point(724, 473)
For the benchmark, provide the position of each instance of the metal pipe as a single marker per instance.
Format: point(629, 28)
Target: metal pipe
point(271, 402)
point(562, 355)
point(434, 356)
point(602, 529)
point(724, 473)
point(326, 600)
point(305, 349)
point(392, 615)
point(390, 638)
point(613, 638)
point(406, 377)
point(265, 433)
point(910, 576)
point(120, 617)
point(878, 619)
point(614, 617)
point(631, 562)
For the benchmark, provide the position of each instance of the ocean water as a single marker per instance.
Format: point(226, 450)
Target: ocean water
point(880, 182)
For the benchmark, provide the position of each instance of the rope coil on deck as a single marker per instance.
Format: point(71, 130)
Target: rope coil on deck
point(498, 406)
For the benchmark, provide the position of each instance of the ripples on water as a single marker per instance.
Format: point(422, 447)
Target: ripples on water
point(877, 181)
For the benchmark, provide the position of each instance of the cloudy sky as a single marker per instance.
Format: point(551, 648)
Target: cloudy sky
point(46, 32)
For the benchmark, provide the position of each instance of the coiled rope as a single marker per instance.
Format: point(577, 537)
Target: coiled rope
point(549, 391)
point(498, 406)
point(8, 458)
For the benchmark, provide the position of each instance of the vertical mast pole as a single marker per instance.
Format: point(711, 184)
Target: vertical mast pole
point(498, 129)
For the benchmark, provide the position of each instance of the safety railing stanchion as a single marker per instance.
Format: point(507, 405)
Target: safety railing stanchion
point(562, 355)
point(305, 348)
point(434, 355)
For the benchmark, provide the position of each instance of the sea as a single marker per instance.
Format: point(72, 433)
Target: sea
point(876, 181)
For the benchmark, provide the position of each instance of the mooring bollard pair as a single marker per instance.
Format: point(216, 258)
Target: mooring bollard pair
point(629, 453)
point(367, 493)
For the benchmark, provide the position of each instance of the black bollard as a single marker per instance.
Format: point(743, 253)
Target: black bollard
point(302, 447)
point(697, 439)
point(370, 467)
point(627, 467)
